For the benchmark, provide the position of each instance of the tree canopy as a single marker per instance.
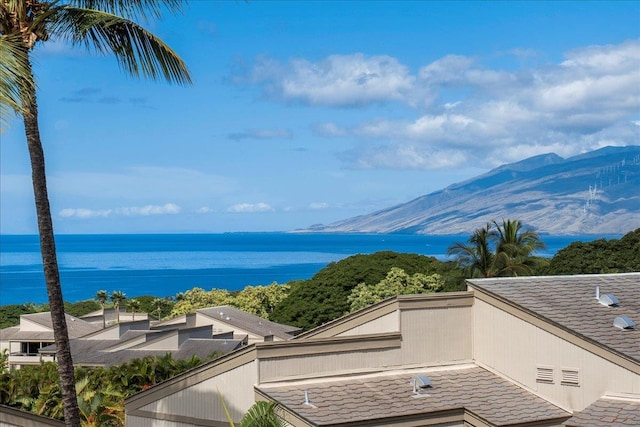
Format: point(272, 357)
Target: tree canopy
point(397, 282)
point(324, 297)
point(504, 249)
point(598, 256)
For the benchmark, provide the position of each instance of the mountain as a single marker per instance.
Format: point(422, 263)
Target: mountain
point(592, 193)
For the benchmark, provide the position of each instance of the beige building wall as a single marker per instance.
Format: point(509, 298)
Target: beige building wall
point(440, 335)
point(201, 401)
point(387, 323)
point(518, 349)
point(434, 336)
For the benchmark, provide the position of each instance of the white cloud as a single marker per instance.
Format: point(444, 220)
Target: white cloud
point(250, 207)
point(330, 130)
point(338, 80)
point(82, 213)
point(585, 102)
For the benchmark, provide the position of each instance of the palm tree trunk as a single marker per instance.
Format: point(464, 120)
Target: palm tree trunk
point(49, 260)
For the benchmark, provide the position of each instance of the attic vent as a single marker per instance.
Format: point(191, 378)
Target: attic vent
point(544, 375)
point(609, 300)
point(623, 322)
point(570, 377)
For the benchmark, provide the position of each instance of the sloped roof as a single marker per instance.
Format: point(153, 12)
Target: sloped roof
point(570, 302)
point(96, 352)
point(388, 396)
point(608, 411)
point(201, 348)
point(76, 328)
point(249, 322)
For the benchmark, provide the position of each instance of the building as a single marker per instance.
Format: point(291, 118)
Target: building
point(208, 331)
point(530, 351)
point(35, 331)
point(12, 417)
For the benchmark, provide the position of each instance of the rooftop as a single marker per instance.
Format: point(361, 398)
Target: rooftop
point(75, 326)
point(608, 411)
point(249, 322)
point(570, 302)
point(390, 395)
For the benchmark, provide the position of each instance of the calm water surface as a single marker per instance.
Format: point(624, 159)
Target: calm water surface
point(165, 264)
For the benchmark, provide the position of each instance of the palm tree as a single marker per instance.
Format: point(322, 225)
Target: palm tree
point(134, 305)
point(102, 297)
point(498, 250)
point(158, 303)
point(476, 258)
point(94, 24)
point(514, 248)
point(117, 297)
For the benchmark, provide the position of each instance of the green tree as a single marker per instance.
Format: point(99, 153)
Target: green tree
point(196, 298)
point(261, 300)
point(498, 250)
point(106, 26)
point(397, 282)
point(514, 249)
point(81, 308)
point(322, 298)
point(476, 257)
point(598, 257)
point(102, 297)
point(134, 305)
point(117, 298)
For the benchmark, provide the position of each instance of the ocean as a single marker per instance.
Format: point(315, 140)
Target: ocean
point(165, 264)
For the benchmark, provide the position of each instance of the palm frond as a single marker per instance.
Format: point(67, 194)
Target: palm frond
point(138, 52)
point(132, 9)
point(16, 79)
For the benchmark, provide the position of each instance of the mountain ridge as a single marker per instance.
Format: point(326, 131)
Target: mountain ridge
point(591, 193)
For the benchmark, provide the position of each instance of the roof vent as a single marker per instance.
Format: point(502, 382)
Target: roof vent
point(623, 322)
point(307, 401)
point(420, 382)
point(609, 300)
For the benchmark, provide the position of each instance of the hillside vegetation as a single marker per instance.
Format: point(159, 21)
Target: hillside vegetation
point(598, 256)
point(325, 296)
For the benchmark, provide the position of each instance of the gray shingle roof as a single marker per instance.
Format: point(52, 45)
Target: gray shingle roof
point(569, 301)
point(95, 352)
point(610, 412)
point(202, 348)
point(388, 395)
point(75, 326)
point(249, 322)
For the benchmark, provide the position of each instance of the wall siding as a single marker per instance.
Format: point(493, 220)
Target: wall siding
point(387, 323)
point(437, 335)
point(201, 401)
point(429, 337)
point(515, 348)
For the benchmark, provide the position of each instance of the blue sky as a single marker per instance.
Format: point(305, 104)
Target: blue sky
point(311, 112)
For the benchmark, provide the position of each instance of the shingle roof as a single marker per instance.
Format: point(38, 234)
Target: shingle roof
point(610, 412)
point(95, 352)
point(389, 395)
point(249, 322)
point(569, 301)
point(76, 328)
